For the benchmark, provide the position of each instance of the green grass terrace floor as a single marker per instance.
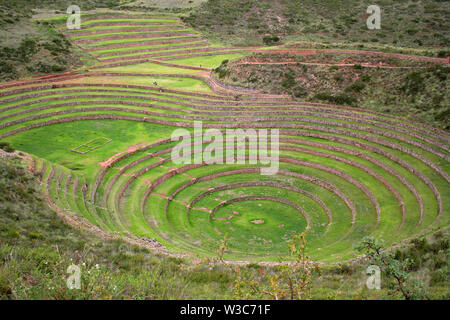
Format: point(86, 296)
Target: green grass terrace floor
point(121, 39)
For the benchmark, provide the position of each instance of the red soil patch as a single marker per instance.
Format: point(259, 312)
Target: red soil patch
point(290, 51)
point(136, 147)
point(111, 160)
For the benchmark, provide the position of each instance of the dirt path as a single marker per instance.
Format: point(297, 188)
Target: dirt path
point(307, 52)
point(328, 64)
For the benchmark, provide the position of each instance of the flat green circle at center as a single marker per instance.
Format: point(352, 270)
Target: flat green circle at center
point(258, 226)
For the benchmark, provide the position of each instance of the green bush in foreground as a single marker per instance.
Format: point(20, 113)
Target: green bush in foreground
point(291, 281)
point(410, 288)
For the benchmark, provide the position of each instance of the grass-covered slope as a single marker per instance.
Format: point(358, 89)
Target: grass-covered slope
point(418, 90)
point(29, 47)
point(404, 23)
point(117, 39)
point(37, 247)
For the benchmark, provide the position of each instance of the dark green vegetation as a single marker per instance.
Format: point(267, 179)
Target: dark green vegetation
point(5, 146)
point(175, 6)
point(396, 265)
point(36, 248)
point(60, 6)
point(404, 23)
point(35, 55)
point(32, 47)
point(29, 47)
point(382, 84)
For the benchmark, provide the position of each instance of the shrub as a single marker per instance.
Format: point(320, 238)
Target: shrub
point(5, 288)
point(338, 77)
point(28, 47)
point(413, 83)
point(356, 86)
point(341, 98)
point(366, 78)
point(443, 53)
point(323, 96)
point(57, 68)
point(293, 281)
point(271, 40)
point(288, 82)
point(44, 68)
point(441, 72)
point(34, 235)
point(7, 70)
point(343, 269)
point(299, 91)
point(5, 146)
point(410, 288)
point(12, 233)
point(440, 276)
point(222, 70)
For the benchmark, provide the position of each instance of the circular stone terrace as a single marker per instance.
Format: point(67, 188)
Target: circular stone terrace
point(344, 172)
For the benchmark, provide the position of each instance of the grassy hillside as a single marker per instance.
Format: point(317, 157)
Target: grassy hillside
point(36, 248)
point(382, 84)
point(29, 47)
point(404, 23)
point(170, 5)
